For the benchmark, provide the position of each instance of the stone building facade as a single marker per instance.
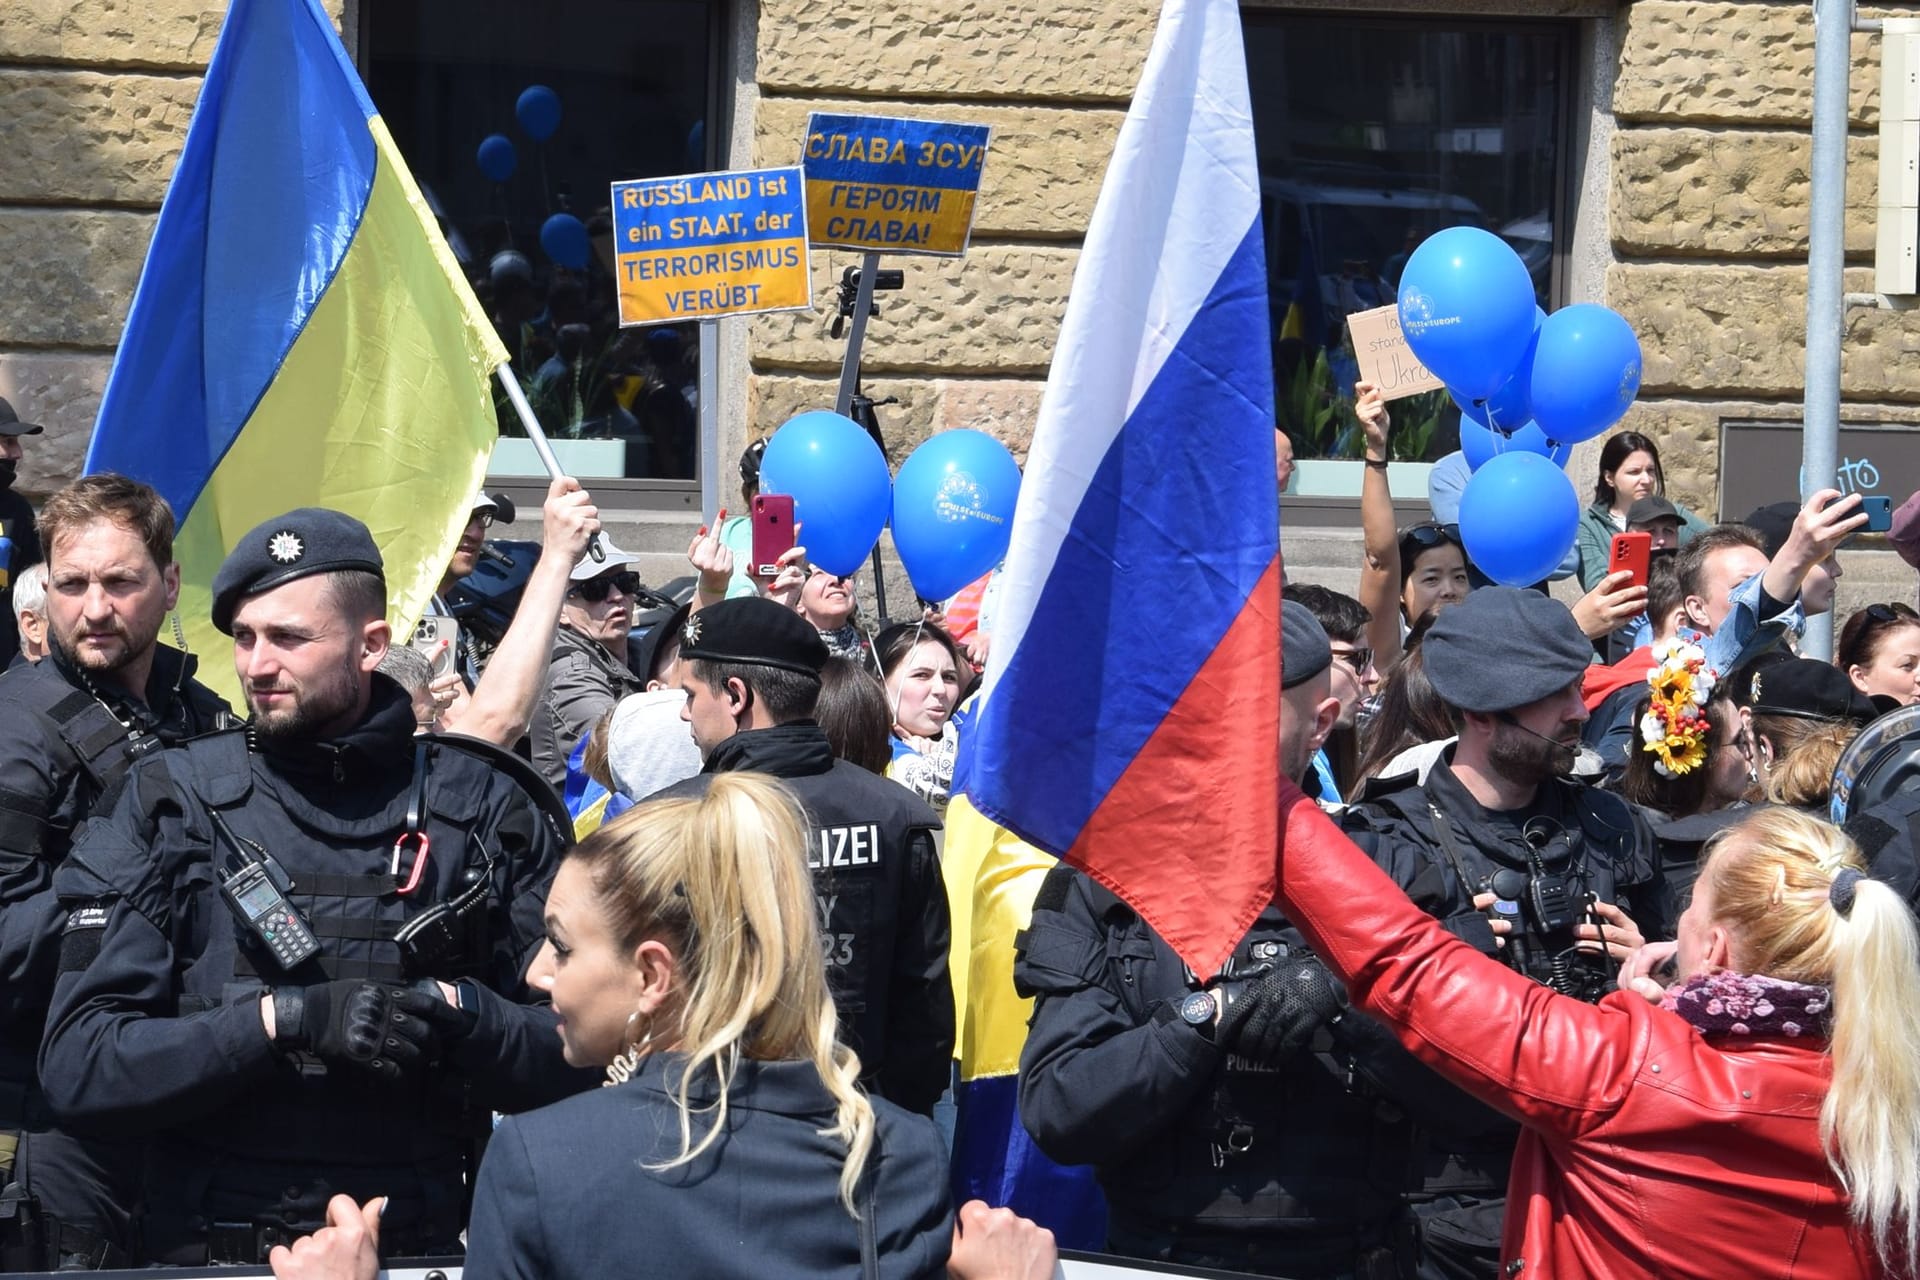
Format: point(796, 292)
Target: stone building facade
point(1687, 201)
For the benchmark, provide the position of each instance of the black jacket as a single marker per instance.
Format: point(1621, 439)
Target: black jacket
point(67, 741)
point(877, 875)
point(17, 527)
point(1109, 1076)
point(156, 1029)
point(575, 1192)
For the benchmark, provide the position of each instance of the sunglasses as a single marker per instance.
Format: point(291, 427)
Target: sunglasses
point(595, 590)
point(1888, 613)
point(1430, 534)
point(484, 516)
point(1358, 659)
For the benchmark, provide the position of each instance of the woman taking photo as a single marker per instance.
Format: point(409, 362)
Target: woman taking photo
point(682, 954)
point(922, 667)
point(1629, 471)
point(1759, 1117)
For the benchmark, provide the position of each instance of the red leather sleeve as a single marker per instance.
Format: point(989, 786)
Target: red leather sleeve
point(1550, 1061)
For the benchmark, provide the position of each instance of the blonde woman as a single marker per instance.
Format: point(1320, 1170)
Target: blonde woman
point(682, 954)
point(1760, 1117)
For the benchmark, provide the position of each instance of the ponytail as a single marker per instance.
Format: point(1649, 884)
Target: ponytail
point(1870, 1122)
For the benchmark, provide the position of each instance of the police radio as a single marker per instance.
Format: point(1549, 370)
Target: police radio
point(256, 893)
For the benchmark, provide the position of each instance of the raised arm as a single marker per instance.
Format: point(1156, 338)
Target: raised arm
point(1380, 570)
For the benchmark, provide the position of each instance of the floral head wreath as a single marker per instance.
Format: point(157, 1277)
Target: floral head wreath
point(1675, 728)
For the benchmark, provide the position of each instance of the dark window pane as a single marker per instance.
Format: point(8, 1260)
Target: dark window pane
point(1373, 134)
point(634, 82)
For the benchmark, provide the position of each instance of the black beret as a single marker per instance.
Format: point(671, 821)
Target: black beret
point(1304, 649)
point(1503, 648)
point(755, 631)
point(1806, 688)
point(286, 548)
point(1773, 523)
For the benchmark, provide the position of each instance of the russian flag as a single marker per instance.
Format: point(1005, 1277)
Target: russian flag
point(301, 334)
point(1129, 719)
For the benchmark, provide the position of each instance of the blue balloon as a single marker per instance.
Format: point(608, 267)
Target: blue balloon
point(496, 157)
point(538, 111)
point(838, 480)
point(953, 510)
point(1481, 444)
point(1466, 308)
point(564, 237)
point(1518, 518)
point(1586, 372)
point(1511, 407)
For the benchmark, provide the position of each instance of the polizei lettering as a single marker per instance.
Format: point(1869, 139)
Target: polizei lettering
point(843, 847)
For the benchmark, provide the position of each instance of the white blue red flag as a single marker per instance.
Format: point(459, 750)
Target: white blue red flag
point(1129, 720)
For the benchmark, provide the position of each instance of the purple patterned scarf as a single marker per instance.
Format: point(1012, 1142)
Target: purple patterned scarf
point(1745, 1004)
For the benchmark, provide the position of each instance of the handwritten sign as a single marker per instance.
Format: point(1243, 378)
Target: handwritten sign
point(889, 185)
point(1385, 359)
point(710, 244)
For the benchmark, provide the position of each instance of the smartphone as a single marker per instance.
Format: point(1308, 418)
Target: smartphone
point(437, 637)
point(1630, 552)
point(772, 532)
point(1879, 514)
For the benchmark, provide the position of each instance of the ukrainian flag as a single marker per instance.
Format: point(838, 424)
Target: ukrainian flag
point(301, 335)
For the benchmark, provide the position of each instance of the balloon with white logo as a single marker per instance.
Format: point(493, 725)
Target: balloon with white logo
point(953, 510)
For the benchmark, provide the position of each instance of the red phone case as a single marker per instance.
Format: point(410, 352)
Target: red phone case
point(772, 531)
point(1631, 551)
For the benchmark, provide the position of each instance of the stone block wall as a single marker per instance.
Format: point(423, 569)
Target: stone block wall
point(967, 341)
point(1708, 217)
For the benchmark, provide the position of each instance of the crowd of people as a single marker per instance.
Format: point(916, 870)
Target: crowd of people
point(1567, 972)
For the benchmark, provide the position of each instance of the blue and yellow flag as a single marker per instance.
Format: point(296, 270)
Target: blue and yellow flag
point(302, 335)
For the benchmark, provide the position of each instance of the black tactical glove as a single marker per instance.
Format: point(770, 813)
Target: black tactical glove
point(1272, 1017)
point(387, 1030)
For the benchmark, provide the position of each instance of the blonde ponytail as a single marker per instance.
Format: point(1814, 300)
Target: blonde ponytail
point(1792, 891)
point(723, 880)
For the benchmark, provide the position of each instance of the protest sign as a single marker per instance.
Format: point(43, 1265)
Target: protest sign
point(888, 185)
point(1385, 359)
point(710, 244)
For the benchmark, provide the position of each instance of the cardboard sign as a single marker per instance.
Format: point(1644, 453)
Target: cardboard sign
point(1385, 359)
point(710, 244)
point(888, 185)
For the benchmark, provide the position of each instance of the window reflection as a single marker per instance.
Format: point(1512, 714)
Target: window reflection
point(633, 79)
point(1372, 135)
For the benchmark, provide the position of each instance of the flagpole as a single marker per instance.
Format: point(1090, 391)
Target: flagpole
point(539, 439)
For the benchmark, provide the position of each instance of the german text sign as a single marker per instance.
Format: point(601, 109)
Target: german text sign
point(710, 244)
point(888, 185)
point(1385, 358)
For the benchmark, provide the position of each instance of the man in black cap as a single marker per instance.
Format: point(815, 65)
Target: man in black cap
point(751, 672)
point(108, 693)
point(1229, 1117)
point(1554, 879)
point(19, 540)
point(293, 960)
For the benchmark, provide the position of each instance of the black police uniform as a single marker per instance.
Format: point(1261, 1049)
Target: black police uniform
point(156, 1025)
point(23, 552)
point(877, 875)
point(1442, 847)
point(1206, 1158)
point(69, 740)
point(578, 1189)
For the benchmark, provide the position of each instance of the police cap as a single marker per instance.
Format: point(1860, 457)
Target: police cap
point(286, 548)
point(755, 631)
point(1503, 648)
point(1304, 649)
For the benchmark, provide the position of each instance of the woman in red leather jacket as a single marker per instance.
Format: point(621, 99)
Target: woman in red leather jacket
point(1759, 1117)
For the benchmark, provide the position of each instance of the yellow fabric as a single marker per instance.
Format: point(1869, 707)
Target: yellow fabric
point(381, 409)
point(589, 819)
point(992, 877)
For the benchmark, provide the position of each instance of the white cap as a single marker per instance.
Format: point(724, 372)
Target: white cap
point(591, 568)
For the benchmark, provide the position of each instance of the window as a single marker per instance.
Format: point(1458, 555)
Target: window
point(1373, 133)
point(637, 92)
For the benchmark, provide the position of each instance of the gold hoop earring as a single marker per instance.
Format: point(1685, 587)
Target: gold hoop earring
point(621, 1069)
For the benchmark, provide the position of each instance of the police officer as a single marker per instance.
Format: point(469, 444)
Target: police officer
point(107, 694)
point(1556, 879)
point(751, 672)
point(294, 955)
point(1229, 1116)
point(22, 549)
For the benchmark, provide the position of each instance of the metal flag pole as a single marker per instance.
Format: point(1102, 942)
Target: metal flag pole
point(710, 421)
point(538, 437)
point(850, 385)
point(1826, 247)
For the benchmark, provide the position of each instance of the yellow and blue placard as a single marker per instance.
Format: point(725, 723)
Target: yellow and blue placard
point(706, 245)
point(888, 185)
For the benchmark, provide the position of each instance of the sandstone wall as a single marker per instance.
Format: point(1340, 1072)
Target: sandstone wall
point(1710, 163)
